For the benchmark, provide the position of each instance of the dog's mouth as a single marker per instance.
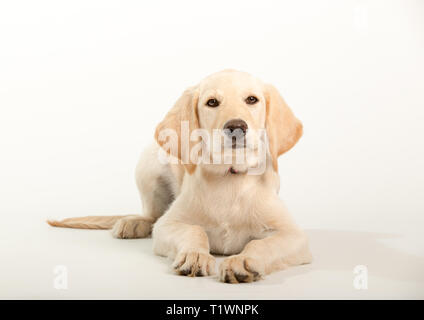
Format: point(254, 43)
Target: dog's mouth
point(232, 170)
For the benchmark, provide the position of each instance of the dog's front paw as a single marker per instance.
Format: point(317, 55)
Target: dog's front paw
point(132, 228)
point(194, 264)
point(239, 268)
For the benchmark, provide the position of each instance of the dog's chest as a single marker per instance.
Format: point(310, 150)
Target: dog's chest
point(232, 223)
point(229, 211)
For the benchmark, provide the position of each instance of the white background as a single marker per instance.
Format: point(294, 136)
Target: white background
point(84, 83)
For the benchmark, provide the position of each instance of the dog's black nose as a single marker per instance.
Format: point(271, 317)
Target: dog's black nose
point(236, 127)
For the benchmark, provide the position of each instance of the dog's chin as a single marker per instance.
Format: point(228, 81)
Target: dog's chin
point(238, 168)
point(225, 169)
point(231, 165)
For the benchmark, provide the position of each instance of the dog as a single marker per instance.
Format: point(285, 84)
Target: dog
point(196, 209)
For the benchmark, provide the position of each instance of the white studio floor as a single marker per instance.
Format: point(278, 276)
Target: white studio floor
point(101, 267)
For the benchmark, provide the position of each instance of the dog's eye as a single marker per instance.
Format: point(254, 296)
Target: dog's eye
point(212, 103)
point(251, 100)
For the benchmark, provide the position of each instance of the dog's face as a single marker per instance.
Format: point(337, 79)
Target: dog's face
point(234, 104)
point(233, 109)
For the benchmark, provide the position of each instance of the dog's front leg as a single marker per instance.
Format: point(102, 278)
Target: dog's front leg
point(263, 256)
point(187, 244)
point(282, 245)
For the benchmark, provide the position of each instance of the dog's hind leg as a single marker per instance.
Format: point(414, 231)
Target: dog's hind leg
point(132, 227)
point(157, 186)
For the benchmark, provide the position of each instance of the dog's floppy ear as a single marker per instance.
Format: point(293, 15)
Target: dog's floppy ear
point(182, 116)
point(283, 128)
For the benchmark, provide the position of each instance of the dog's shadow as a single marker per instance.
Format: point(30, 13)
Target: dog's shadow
point(343, 250)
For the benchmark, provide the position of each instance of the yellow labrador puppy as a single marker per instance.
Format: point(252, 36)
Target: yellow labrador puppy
point(195, 207)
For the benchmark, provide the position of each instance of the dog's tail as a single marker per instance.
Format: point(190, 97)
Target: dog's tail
point(91, 222)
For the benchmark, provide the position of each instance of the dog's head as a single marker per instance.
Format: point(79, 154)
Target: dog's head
point(228, 110)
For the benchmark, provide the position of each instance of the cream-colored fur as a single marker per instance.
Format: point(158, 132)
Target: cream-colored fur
point(195, 210)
